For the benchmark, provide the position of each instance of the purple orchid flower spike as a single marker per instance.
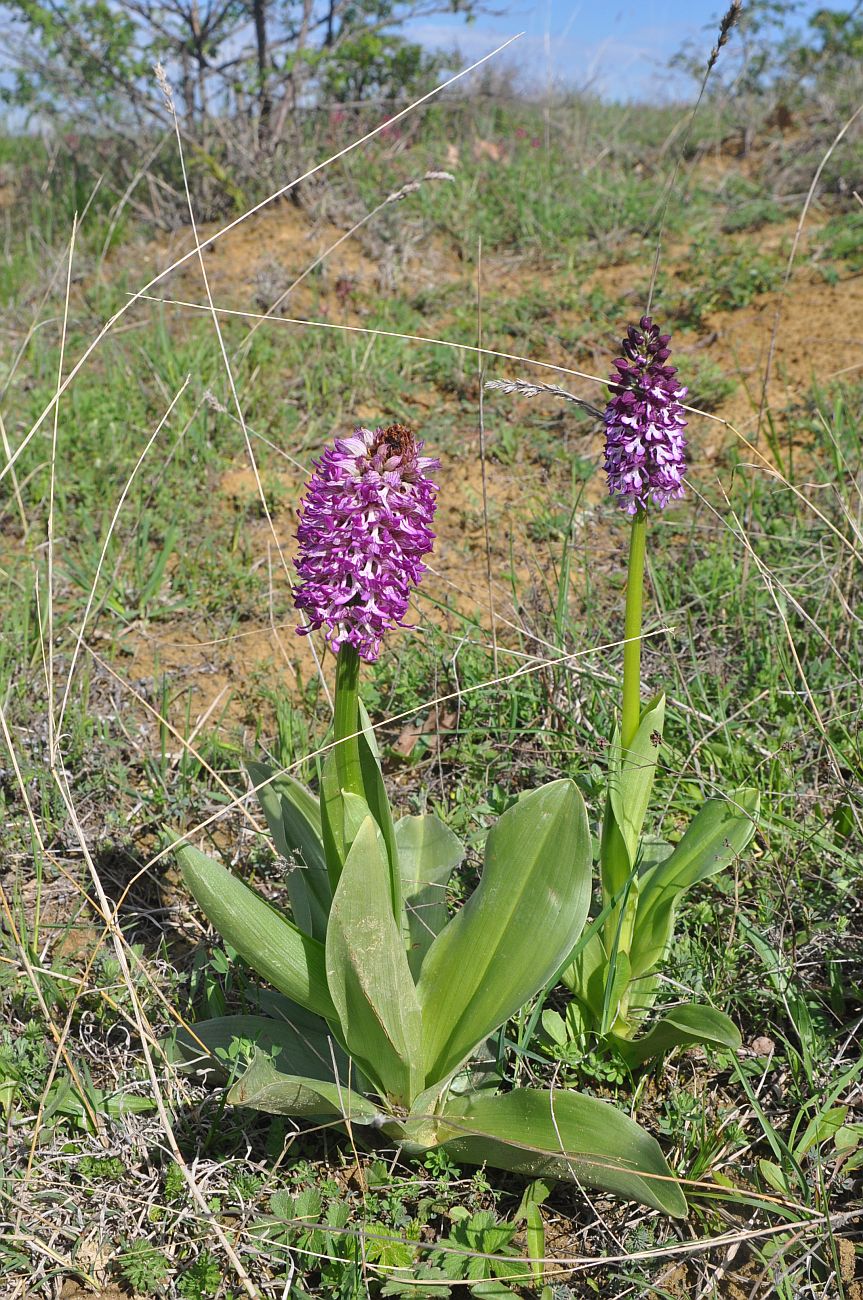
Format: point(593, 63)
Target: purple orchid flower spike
point(365, 524)
point(644, 442)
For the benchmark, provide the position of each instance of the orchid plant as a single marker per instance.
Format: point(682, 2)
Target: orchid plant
point(615, 975)
point(384, 1005)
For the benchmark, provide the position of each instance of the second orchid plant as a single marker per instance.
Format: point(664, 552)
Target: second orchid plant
point(384, 1005)
point(615, 975)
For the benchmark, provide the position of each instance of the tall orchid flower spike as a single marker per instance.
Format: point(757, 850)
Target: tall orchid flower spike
point(365, 526)
point(384, 1003)
point(644, 443)
point(615, 974)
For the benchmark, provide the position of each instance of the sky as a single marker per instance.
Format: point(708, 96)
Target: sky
point(618, 49)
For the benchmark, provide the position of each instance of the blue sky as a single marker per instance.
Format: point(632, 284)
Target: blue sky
point(620, 49)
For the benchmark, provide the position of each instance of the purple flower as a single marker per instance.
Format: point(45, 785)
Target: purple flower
point(644, 443)
point(364, 528)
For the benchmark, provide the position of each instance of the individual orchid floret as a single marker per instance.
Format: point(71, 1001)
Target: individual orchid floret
point(365, 525)
point(644, 443)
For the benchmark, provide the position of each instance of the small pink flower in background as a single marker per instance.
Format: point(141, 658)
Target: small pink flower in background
point(536, 143)
point(520, 133)
point(391, 132)
point(337, 116)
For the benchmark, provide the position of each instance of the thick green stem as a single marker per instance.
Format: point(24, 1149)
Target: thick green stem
point(347, 721)
point(631, 714)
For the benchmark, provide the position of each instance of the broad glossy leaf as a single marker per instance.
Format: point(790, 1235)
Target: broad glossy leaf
point(717, 834)
point(428, 854)
point(598, 983)
point(681, 1027)
point(566, 1136)
point(265, 1088)
point(342, 814)
point(272, 945)
point(516, 929)
point(630, 775)
point(586, 976)
point(304, 1044)
point(367, 969)
point(630, 782)
point(294, 817)
point(554, 1027)
point(332, 819)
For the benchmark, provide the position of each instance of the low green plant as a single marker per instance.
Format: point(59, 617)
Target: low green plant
point(110, 1168)
point(479, 1248)
point(841, 239)
point(142, 1267)
point(384, 1014)
point(202, 1278)
point(723, 279)
point(615, 973)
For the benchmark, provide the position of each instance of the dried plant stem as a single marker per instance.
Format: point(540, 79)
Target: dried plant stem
point(49, 593)
point(532, 388)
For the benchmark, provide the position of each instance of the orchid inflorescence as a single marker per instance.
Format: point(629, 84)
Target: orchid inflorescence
point(387, 1009)
point(364, 528)
point(644, 442)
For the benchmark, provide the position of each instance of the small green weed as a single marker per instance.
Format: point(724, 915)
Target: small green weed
point(143, 1268)
point(202, 1278)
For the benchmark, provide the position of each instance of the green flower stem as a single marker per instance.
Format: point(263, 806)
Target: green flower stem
point(631, 714)
point(614, 859)
point(347, 721)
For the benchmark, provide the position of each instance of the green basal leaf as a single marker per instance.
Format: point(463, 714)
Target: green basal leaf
point(775, 1177)
point(717, 834)
point(515, 931)
point(304, 1044)
point(367, 969)
point(421, 1123)
point(643, 993)
point(631, 774)
point(333, 819)
point(293, 962)
point(263, 1087)
point(615, 867)
point(630, 782)
point(586, 976)
point(554, 1027)
point(355, 810)
point(294, 817)
point(428, 854)
point(681, 1027)
point(566, 1136)
point(619, 974)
